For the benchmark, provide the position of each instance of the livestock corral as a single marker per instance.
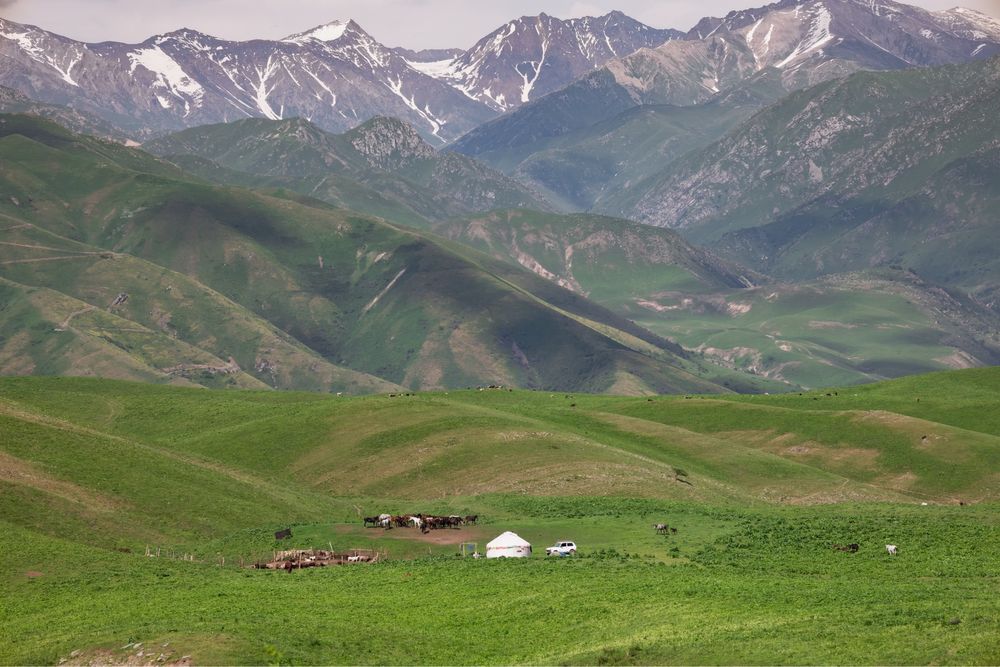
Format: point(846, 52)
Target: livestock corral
point(424, 522)
point(297, 559)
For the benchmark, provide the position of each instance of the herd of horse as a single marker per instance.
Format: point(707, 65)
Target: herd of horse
point(425, 522)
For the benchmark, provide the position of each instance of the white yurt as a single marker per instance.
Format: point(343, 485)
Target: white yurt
point(508, 545)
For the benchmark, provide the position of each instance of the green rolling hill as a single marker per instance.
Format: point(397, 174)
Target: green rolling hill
point(95, 474)
point(126, 446)
point(296, 294)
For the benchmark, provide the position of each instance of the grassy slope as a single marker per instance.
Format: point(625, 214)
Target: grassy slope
point(90, 465)
point(898, 324)
point(840, 330)
point(317, 278)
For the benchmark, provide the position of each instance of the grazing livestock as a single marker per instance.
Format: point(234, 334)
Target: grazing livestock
point(891, 548)
point(283, 534)
point(471, 519)
point(373, 520)
point(661, 528)
point(848, 548)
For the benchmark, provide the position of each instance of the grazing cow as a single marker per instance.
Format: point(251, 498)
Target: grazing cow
point(283, 534)
point(891, 548)
point(661, 528)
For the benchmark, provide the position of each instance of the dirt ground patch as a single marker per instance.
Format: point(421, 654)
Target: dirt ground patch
point(134, 655)
point(32, 574)
point(441, 536)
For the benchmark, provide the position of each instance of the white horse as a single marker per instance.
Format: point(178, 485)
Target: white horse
point(891, 548)
point(416, 521)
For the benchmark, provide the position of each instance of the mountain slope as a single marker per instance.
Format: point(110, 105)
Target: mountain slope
point(12, 101)
point(383, 159)
point(855, 135)
point(578, 169)
point(828, 180)
point(339, 287)
point(609, 260)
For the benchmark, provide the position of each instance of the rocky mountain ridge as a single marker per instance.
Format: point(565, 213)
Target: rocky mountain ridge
point(529, 57)
point(383, 166)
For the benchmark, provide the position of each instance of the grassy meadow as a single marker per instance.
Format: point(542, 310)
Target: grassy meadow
point(759, 488)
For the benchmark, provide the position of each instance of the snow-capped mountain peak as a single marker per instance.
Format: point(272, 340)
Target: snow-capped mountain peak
point(534, 55)
point(328, 32)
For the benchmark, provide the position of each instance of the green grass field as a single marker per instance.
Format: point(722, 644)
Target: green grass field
point(92, 472)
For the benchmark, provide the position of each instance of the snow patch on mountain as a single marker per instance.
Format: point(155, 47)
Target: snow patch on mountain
point(425, 113)
point(35, 49)
point(261, 90)
point(170, 77)
point(819, 34)
point(439, 69)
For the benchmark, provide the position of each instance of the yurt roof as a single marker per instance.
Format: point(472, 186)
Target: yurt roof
point(509, 539)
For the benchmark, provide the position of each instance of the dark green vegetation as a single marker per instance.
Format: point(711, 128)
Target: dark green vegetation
point(841, 329)
point(228, 286)
point(381, 167)
point(93, 468)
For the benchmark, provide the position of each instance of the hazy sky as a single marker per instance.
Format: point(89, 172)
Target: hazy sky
point(410, 23)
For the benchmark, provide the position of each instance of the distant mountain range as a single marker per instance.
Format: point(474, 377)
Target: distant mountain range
point(336, 75)
point(771, 51)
